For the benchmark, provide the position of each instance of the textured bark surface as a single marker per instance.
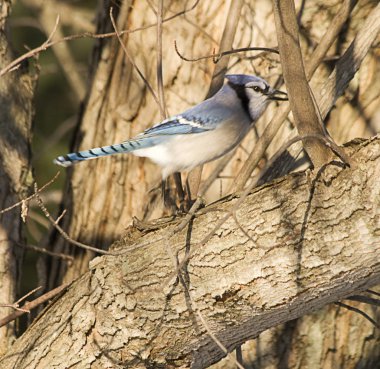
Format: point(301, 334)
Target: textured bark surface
point(302, 242)
point(16, 93)
point(103, 195)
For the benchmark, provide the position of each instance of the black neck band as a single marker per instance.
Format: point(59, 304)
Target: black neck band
point(242, 95)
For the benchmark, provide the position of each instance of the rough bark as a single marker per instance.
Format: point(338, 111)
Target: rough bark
point(16, 93)
point(104, 197)
point(296, 245)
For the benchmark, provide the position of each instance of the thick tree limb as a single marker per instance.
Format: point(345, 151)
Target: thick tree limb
point(311, 242)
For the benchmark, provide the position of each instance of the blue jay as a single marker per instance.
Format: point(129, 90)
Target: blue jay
point(200, 134)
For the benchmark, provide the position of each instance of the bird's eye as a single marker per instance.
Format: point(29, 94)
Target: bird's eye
point(257, 89)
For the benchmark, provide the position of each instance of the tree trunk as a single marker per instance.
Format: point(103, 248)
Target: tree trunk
point(16, 93)
point(291, 248)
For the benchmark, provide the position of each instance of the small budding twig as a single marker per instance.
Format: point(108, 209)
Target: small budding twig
point(16, 305)
point(33, 304)
point(24, 201)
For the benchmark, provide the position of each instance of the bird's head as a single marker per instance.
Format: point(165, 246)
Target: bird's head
point(254, 93)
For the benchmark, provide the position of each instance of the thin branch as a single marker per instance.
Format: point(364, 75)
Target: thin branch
point(147, 84)
point(160, 83)
point(373, 292)
point(53, 31)
point(16, 305)
point(14, 64)
point(365, 300)
point(216, 57)
point(226, 43)
point(28, 294)
point(33, 304)
point(246, 234)
point(31, 196)
point(61, 231)
point(362, 313)
point(42, 250)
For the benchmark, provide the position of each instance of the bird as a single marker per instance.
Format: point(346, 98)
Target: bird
point(201, 134)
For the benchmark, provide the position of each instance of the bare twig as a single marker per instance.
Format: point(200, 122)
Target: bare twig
point(226, 43)
point(72, 16)
point(160, 83)
point(33, 304)
point(31, 196)
point(373, 292)
point(246, 234)
point(356, 310)
point(61, 231)
point(53, 31)
point(365, 300)
point(42, 250)
point(216, 57)
point(16, 305)
point(63, 52)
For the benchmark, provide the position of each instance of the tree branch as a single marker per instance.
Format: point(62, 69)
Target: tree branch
point(301, 102)
point(283, 266)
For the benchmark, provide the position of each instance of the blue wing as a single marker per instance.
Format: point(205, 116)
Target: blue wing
point(180, 124)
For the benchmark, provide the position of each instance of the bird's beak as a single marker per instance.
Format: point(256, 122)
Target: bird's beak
point(278, 95)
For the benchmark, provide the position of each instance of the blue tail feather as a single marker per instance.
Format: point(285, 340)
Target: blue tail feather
point(124, 147)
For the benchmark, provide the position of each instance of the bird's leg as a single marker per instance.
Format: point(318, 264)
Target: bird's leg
point(192, 185)
point(165, 196)
point(179, 187)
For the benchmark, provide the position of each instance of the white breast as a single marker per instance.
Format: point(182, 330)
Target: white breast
point(184, 152)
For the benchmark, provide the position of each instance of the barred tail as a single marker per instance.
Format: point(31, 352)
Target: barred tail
point(75, 157)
